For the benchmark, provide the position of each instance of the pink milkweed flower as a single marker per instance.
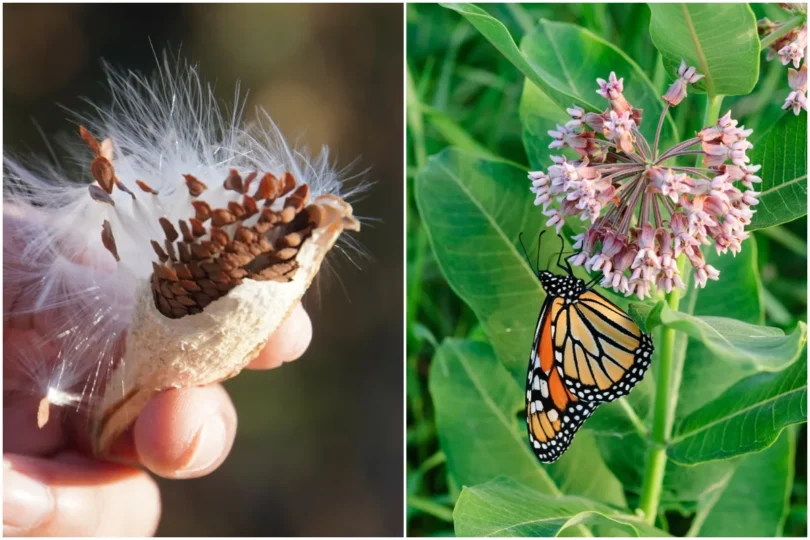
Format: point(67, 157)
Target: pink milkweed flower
point(790, 48)
point(617, 279)
point(670, 184)
point(677, 90)
point(644, 210)
point(540, 187)
point(585, 243)
point(682, 237)
point(797, 80)
point(556, 219)
point(704, 272)
point(668, 275)
point(612, 244)
point(612, 90)
point(563, 137)
point(794, 51)
point(576, 113)
point(797, 101)
point(647, 256)
point(619, 129)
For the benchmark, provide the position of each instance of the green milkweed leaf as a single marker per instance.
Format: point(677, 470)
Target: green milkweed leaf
point(720, 40)
point(569, 59)
point(478, 405)
point(474, 211)
point(755, 347)
point(764, 499)
point(782, 152)
point(746, 418)
point(503, 507)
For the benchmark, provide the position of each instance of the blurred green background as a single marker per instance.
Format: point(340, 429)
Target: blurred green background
point(462, 92)
point(327, 74)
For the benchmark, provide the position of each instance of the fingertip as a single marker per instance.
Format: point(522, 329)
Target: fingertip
point(288, 343)
point(186, 433)
point(71, 495)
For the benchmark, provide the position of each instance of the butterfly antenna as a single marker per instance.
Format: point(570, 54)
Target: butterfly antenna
point(567, 268)
point(525, 253)
point(539, 237)
point(593, 281)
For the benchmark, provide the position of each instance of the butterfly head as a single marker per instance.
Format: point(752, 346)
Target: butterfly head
point(561, 285)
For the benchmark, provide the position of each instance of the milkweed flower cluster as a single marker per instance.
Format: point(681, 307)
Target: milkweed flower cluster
point(643, 211)
point(790, 48)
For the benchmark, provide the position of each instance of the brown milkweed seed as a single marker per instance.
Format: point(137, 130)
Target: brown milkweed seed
point(243, 234)
point(104, 173)
point(168, 229)
point(202, 209)
point(159, 251)
point(186, 301)
point(234, 182)
point(183, 251)
point(90, 141)
point(268, 188)
point(221, 217)
point(185, 231)
point(197, 228)
point(288, 181)
point(190, 286)
point(170, 250)
point(287, 253)
point(183, 272)
point(145, 187)
point(287, 214)
point(108, 239)
point(249, 203)
point(170, 275)
point(252, 176)
point(237, 210)
point(195, 187)
point(293, 239)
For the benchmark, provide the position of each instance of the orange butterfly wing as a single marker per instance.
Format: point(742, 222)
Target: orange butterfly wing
point(553, 414)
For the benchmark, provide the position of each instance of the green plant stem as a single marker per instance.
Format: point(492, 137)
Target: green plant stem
point(415, 125)
point(662, 420)
point(786, 27)
point(431, 508)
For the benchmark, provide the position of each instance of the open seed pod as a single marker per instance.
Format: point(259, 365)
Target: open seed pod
point(222, 281)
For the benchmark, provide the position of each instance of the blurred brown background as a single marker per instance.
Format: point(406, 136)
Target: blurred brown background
point(319, 447)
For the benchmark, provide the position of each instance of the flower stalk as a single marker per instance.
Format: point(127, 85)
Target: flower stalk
point(782, 31)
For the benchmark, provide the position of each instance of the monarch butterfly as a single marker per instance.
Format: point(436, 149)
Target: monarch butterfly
point(586, 351)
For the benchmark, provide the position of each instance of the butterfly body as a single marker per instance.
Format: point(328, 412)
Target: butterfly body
point(586, 351)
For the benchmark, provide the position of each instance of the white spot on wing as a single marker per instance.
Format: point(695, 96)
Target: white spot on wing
point(544, 389)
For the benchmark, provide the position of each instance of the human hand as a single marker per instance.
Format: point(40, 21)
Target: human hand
point(53, 486)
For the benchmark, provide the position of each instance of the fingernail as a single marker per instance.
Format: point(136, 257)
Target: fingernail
point(26, 502)
point(207, 446)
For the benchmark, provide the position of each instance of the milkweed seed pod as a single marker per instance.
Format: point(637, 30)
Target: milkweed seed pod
point(191, 245)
